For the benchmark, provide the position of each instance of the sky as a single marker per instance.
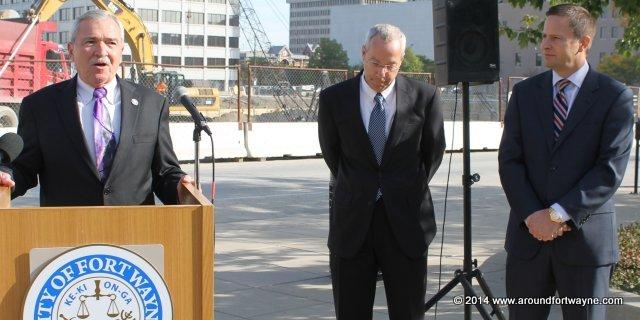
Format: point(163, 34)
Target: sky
point(274, 17)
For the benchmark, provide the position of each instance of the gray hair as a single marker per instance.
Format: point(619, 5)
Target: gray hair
point(95, 15)
point(387, 33)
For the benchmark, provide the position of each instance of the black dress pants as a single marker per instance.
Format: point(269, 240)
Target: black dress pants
point(354, 279)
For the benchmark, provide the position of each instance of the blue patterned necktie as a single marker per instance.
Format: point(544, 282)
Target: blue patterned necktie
point(103, 136)
point(377, 131)
point(560, 107)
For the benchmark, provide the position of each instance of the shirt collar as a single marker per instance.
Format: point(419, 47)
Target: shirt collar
point(577, 78)
point(372, 93)
point(85, 90)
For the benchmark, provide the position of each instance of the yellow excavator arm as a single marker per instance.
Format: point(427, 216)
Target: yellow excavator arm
point(135, 32)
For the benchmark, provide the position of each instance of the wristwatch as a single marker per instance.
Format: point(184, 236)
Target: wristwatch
point(554, 215)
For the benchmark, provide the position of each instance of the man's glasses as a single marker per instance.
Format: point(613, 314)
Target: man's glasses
point(389, 68)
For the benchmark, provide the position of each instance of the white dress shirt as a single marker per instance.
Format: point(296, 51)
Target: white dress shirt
point(85, 110)
point(367, 103)
point(570, 92)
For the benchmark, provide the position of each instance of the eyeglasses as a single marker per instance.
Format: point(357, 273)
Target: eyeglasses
point(389, 68)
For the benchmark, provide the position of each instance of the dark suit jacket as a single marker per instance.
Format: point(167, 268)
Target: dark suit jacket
point(412, 155)
point(581, 171)
point(55, 151)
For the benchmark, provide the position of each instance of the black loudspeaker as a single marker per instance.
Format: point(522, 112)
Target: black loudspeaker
point(466, 41)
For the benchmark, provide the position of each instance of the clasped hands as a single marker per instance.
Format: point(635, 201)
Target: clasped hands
point(543, 228)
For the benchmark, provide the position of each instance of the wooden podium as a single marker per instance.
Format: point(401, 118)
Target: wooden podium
point(185, 231)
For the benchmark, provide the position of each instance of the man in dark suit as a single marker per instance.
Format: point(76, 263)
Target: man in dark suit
point(564, 150)
point(382, 138)
point(96, 139)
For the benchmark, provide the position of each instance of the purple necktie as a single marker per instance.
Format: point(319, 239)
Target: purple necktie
point(103, 137)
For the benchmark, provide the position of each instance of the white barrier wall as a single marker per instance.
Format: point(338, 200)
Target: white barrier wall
point(294, 138)
point(228, 141)
point(300, 139)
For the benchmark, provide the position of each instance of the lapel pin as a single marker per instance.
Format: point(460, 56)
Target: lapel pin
point(134, 102)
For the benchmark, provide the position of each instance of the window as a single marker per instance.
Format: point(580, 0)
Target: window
point(194, 17)
point(234, 62)
point(234, 20)
point(214, 41)
point(51, 36)
point(233, 42)
point(602, 55)
point(89, 8)
point(64, 37)
point(154, 37)
point(77, 12)
point(148, 14)
point(65, 14)
point(126, 57)
point(193, 40)
point(170, 60)
point(538, 59)
point(218, 1)
point(218, 19)
point(172, 39)
point(215, 61)
point(614, 33)
point(171, 16)
point(518, 62)
point(193, 61)
point(603, 31)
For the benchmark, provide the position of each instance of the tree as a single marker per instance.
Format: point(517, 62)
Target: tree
point(622, 68)
point(429, 65)
point(530, 30)
point(411, 62)
point(329, 55)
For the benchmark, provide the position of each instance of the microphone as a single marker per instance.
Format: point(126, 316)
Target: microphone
point(198, 118)
point(11, 145)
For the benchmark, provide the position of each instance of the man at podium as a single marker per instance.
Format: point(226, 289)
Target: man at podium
point(96, 139)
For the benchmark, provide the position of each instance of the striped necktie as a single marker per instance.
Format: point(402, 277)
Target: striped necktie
point(103, 136)
point(560, 107)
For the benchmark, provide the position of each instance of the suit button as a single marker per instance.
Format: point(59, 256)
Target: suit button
point(553, 168)
point(107, 191)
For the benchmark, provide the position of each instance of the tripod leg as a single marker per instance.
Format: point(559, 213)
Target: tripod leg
point(487, 292)
point(454, 282)
point(467, 285)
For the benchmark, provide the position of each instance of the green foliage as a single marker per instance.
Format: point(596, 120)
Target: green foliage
point(622, 68)
point(627, 273)
point(329, 55)
point(411, 62)
point(530, 31)
point(428, 65)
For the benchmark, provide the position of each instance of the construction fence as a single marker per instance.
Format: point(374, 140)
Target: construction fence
point(240, 94)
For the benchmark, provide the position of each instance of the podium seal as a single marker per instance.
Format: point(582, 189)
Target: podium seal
point(98, 282)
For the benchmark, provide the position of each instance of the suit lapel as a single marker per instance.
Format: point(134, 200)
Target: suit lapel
point(544, 107)
point(581, 104)
point(404, 98)
point(129, 118)
point(68, 109)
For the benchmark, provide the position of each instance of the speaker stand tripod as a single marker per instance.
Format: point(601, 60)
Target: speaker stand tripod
point(470, 267)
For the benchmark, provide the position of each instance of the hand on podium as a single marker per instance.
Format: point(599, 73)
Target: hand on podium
point(183, 193)
point(6, 180)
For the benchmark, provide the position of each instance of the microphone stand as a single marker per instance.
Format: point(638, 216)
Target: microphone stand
point(199, 126)
point(197, 136)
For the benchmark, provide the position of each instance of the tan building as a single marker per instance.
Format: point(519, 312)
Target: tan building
point(525, 62)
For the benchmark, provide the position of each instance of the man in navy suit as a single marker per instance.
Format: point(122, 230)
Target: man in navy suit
point(565, 147)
